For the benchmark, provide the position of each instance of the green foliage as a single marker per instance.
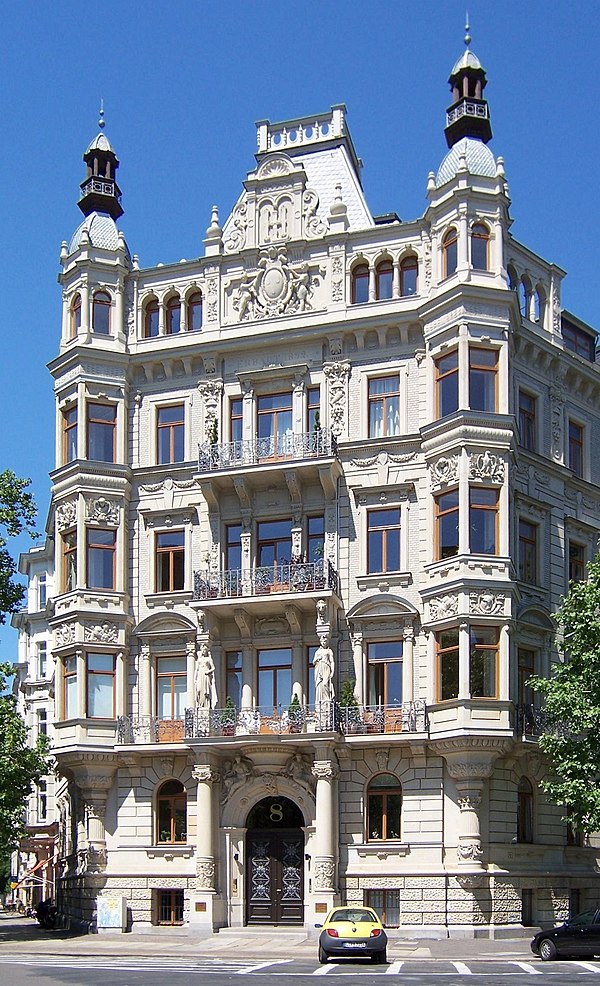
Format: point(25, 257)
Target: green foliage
point(21, 766)
point(17, 513)
point(347, 696)
point(571, 711)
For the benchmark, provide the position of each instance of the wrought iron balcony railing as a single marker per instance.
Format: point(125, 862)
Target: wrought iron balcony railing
point(265, 579)
point(213, 456)
point(530, 721)
point(407, 717)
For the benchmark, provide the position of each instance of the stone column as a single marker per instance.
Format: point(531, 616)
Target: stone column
point(408, 679)
point(144, 683)
point(464, 661)
point(190, 667)
point(357, 658)
point(324, 859)
point(202, 903)
point(95, 779)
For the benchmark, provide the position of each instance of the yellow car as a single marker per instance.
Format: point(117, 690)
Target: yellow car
point(352, 931)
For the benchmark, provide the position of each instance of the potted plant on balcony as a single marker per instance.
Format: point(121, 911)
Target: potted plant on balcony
point(350, 709)
point(227, 718)
point(295, 714)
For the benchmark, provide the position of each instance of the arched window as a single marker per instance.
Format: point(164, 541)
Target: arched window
point(480, 238)
point(539, 305)
point(384, 806)
point(450, 248)
point(194, 312)
point(360, 284)
point(171, 813)
point(101, 313)
point(151, 319)
point(76, 315)
point(524, 811)
point(524, 297)
point(173, 316)
point(384, 279)
point(409, 274)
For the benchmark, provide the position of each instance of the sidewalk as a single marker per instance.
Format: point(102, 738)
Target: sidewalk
point(25, 936)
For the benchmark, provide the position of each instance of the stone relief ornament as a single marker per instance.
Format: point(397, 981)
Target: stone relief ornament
point(66, 514)
point(470, 850)
point(336, 291)
point(210, 392)
point(337, 266)
point(443, 607)
point(274, 167)
point(101, 509)
point(323, 874)
point(64, 634)
point(486, 603)
point(337, 377)
point(469, 802)
point(205, 874)
point(444, 471)
point(485, 465)
point(314, 226)
point(274, 288)
point(236, 236)
point(106, 632)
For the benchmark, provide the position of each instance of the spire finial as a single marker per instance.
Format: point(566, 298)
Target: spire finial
point(467, 33)
point(101, 123)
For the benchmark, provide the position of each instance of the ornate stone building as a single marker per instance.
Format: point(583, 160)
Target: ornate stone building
point(339, 456)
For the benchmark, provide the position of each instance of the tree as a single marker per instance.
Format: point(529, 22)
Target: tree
point(17, 514)
point(571, 714)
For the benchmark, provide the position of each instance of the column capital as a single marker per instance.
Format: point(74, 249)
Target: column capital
point(324, 770)
point(205, 774)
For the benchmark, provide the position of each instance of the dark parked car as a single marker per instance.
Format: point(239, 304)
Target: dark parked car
point(579, 936)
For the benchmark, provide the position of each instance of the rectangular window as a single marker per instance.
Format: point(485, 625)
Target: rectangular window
point(69, 419)
point(70, 688)
point(42, 722)
point(233, 547)
point(170, 434)
point(578, 341)
point(447, 664)
point(274, 678)
point(483, 665)
point(446, 384)
point(527, 552)
point(170, 907)
point(170, 556)
point(274, 543)
point(236, 424)
point(233, 688)
point(483, 520)
point(275, 427)
point(316, 538)
point(100, 686)
point(171, 687)
point(527, 407)
point(42, 591)
point(42, 800)
point(576, 562)
point(576, 448)
point(101, 549)
point(446, 524)
point(42, 660)
point(525, 670)
point(384, 406)
point(483, 369)
point(101, 430)
point(69, 544)
point(313, 399)
point(383, 540)
point(387, 905)
point(385, 673)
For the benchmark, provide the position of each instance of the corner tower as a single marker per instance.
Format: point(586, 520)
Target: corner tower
point(469, 114)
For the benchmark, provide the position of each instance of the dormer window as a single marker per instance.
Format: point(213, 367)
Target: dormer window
point(480, 238)
point(360, 284)
point(173, 316)
point(450, 249)
point(101, 313)
point(194, 312)
point(384, 278)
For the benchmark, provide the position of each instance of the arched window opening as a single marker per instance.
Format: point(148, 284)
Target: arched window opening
point(194, 312)
point(450, 248)
point(409, 274)
point(524, 811)
point(173, 316)
point(101, 313)
point(360, 284)
point(480, 238)
point(524, 295)
point(151, 319)
point(384, 279)
point(513, 280)
point(539, 303)
point(172, 813)
point(384, 807)
point(76, 315)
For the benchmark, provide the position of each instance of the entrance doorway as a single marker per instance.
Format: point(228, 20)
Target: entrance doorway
point(275, 863)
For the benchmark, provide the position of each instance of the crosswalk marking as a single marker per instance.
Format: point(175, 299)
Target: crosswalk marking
point(462, 968)
point(528, 967)
point(263, 965)
point(324, 969)
point(589, 967)
point(393, 968)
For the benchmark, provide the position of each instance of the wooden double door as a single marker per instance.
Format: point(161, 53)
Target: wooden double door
point(275, 876)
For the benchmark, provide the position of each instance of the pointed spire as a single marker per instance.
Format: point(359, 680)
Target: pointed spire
point(99, 189)
point(468, 116)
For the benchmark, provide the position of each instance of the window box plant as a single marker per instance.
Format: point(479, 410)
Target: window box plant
point(350, 713)
point(228, 717)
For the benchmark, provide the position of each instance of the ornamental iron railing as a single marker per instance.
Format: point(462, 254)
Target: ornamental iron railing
point(263, 580)
point(320, 443)
point(403, 717)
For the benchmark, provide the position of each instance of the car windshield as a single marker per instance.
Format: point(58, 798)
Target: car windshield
point(586, 917)
point(354, 914)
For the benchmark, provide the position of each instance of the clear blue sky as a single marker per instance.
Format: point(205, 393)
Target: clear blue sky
point(183, 83)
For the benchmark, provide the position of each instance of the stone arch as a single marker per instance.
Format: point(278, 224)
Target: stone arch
point(238, 805)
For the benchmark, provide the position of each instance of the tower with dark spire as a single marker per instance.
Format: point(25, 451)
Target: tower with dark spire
point(469, 114)
point(99, 189)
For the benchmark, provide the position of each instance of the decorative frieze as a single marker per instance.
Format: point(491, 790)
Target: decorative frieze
point(444, 471)
point(106, 632)
point(275, 287)
point(337, 375)
point(66, 514)
point(443, 607)
point(487, 466)
point(486, 603)
point(102, 510)
point(64, 634)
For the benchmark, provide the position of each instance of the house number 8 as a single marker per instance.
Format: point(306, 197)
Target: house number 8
point(276, 813)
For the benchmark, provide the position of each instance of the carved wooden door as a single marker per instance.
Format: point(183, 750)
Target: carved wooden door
point(275, 876)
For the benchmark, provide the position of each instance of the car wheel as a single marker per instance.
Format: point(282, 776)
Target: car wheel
point(382, 958)
point(547, 950)
point(322, 956)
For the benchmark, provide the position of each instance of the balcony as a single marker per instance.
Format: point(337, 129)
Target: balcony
point(273, 449)
point(292, 577)
point(530, 721)
point(408, 717)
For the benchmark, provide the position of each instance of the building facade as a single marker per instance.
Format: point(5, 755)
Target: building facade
point(317, 494)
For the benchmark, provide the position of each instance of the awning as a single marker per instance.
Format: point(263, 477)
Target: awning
point(38, 866)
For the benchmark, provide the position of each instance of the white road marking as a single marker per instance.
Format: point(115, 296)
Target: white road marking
point(462, 968)
point(528, 967)
point(324, 969)
point(393, 968)
point(263, 965)
point(589, 967)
